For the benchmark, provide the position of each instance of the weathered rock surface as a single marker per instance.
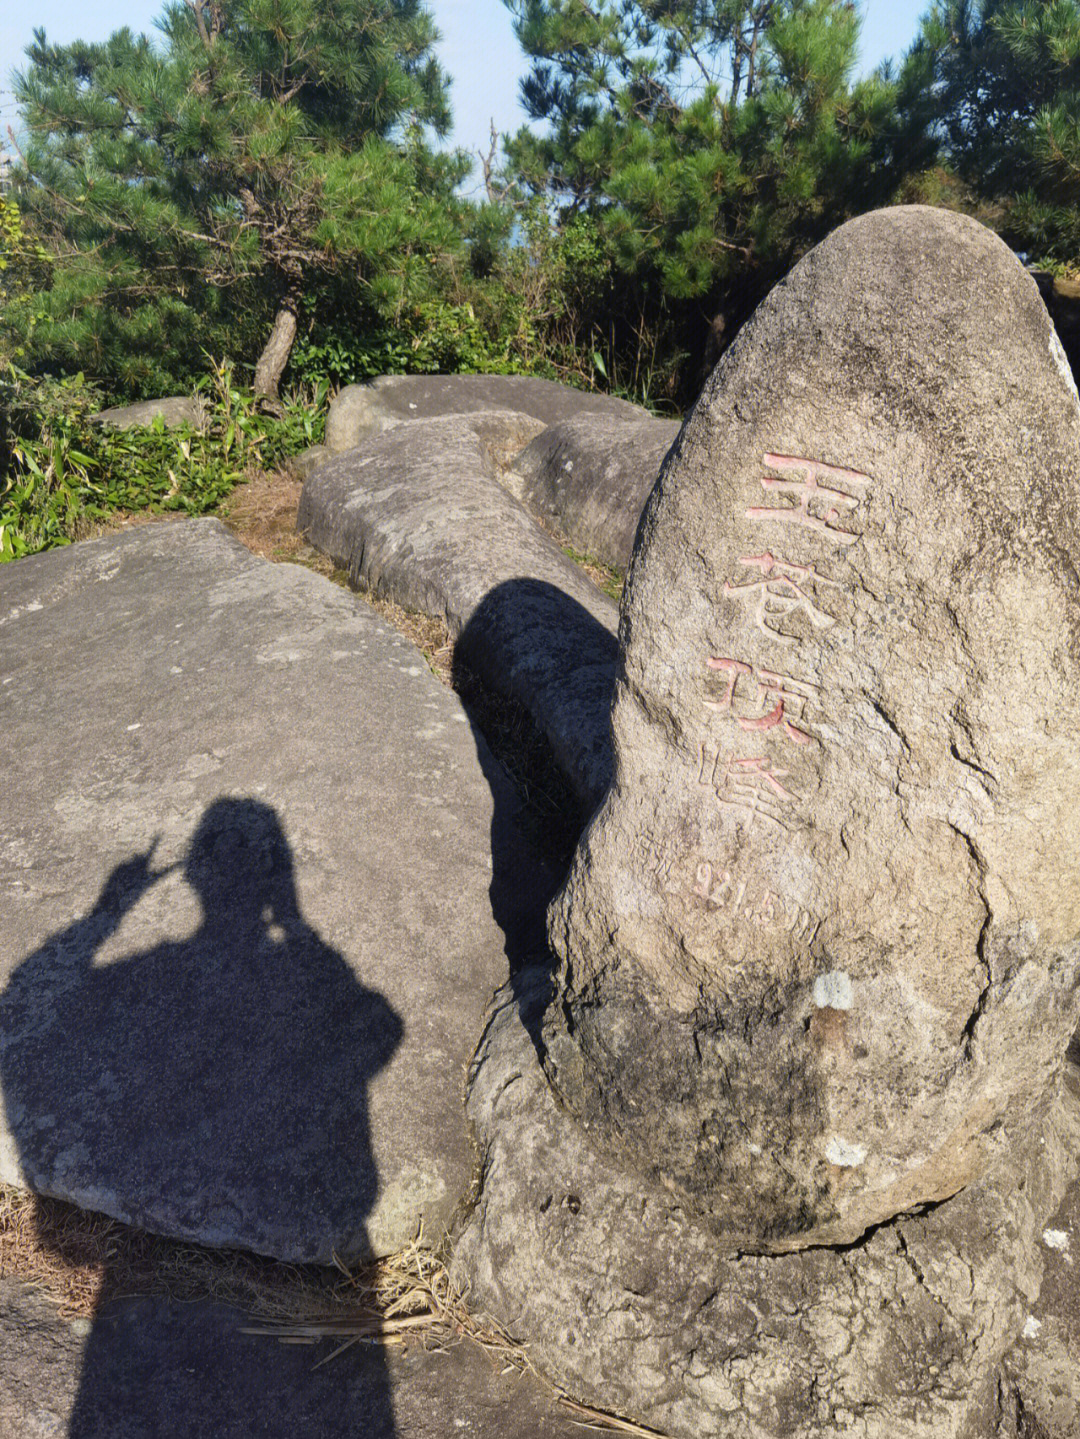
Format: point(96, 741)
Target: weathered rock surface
point(246, 848)
point(149, 1367)
point(821, 940)
point(589, 478)
point(1039, 1396)
point(174, 410)
point(307, 461)
point(624, 1300)
point(361, 410)
point(419, 515)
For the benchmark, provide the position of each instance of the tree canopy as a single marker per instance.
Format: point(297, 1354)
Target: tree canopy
point(1006, 83)
point(213, 176)
point(709, 141)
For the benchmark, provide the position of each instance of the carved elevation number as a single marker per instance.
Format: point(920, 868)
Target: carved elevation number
point(722, 890)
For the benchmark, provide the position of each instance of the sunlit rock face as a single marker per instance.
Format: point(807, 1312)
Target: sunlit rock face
point(820, 941)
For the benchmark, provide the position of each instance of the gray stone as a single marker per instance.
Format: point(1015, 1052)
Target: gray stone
point(152, 1368)
point(361, 410)
point(588, 478)
point(174, 410)
point(307, 461)
point(1039, 1395)
point(246, 849)
point(626, 1300)
point(821, 940)
point(419, 515)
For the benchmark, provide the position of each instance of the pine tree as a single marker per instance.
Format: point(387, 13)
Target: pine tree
point(709, 142)
point(1006, 78)
point(212, 178)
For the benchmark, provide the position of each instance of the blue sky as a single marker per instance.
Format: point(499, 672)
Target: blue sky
point(478, 48)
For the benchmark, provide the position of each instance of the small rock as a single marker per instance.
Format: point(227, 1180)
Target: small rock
point(174, 410)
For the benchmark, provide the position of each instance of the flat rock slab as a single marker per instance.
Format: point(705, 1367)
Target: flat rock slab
point(173, 410)
point(419, 515)
point(589, 478)
point(391, 400)
point(246, 849)
point(147, 1367)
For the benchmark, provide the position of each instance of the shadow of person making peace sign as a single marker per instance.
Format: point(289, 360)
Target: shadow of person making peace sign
point(212, 1087)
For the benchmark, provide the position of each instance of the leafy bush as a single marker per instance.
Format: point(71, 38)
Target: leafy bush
point(64, 473)
point(437, 336)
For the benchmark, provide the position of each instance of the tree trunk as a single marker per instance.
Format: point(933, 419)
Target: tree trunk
point(276, 351)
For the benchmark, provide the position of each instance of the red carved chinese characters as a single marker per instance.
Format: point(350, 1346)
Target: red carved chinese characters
point(783, 589)
point(776, 695)
point(817, 506)
point(751, 765)
point(752, 786)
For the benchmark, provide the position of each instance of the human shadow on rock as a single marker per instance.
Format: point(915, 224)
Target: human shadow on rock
point(528, 637)
point(212, 1087)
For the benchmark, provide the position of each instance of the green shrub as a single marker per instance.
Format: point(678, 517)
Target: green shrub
point(64, 473)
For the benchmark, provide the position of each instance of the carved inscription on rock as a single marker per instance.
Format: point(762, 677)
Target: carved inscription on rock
point(757, 750)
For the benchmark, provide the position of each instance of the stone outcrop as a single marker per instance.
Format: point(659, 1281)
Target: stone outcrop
point(362, 410)
point(419, 515)
point(246, 850)
point(156, 1367)
point(776, 1152)
point(821, 940)
point(174, 410)
point(588, 479)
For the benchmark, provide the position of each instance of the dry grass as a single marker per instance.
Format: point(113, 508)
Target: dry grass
point(81, 1261)
point(261, 513)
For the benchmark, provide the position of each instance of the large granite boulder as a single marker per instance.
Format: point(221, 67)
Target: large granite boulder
point(358, 411)
point(821, 941)
point(588, 478)
point(246, 850)
point(174, 411)
point(419, 515)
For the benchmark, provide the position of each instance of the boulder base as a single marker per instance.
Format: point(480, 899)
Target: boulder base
point(625, 1302)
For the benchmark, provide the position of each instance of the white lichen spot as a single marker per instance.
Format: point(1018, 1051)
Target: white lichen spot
point(833, 990)
point(843, 1153)
point(755, 1148)
point(1032, 1327)
point(1061, 363)
point(1056, 1239)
